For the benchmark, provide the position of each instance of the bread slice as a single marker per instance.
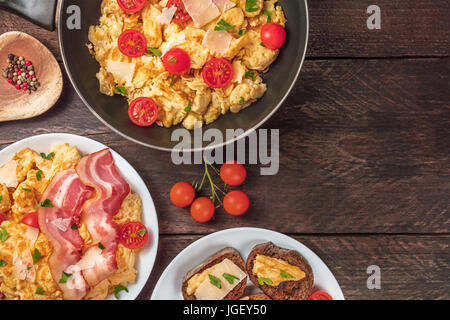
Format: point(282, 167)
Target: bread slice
point(218, 257)
point(257, 297)
point(287, 290)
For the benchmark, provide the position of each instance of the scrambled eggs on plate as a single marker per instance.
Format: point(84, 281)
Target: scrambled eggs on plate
point(234, 34)
point(24, 251)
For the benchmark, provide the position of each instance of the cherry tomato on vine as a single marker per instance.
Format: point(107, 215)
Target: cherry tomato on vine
point(182, 194)
point(177, 61)
point(131, 6)
point(320, 295)
point(202, 209)
point(273, 35)
point(233, 173)
point(218, 73)
point(31, 219)
point(181, 15)
point(236, 203)
point(143, 112)
point(133, 235)
point(132, 43)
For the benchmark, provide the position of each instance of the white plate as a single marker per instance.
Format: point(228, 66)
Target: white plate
point(146, 257)
point(243, 240)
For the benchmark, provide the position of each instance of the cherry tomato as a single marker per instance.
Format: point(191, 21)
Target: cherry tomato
point(2, 218)
point(233, 173)
point(143, 112)
point(133, 235)
point(132, 43)
point(177, 61)
point(182, 194)
point(320, 295)
point(218, 73)
point(131, 6)
point(236, 203)
point(181, 15)
point(202, 209)
point(31, 219)
point(273, 35)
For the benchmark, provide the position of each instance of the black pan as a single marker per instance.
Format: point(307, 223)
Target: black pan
point(112, 111)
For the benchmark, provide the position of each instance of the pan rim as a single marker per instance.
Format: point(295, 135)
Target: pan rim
point(190, 150)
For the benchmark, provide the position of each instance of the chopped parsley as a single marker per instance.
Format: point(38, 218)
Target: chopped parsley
point(250, 74)
point(118, 289)
point(74, 227)
point(1, 198)
point(39, 175)
point(242, 100)
point(241, 32)
point(46, 204)
point(262, 281)
point(64, 277)
point(47, 157)
point(262, 45)
point(172, 60)
point(3, 263)
point(229, 277)
point(250, 6)
point(189, 107)
point(153, 52)
point(36, 255)
point(222, 25)
point(4, 235)
point(269, 15)
point(40, 291)
point(26, 189)
point(121, 90)
point(101, 246)
point(142, 232)
point(285, 274)
point(172, 80)
point(215, 281)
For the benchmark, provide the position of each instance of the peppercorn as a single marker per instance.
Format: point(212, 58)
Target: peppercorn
point(10, 56)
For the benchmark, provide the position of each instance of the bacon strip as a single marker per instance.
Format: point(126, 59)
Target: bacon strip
point(67, 194)
point(99, 171)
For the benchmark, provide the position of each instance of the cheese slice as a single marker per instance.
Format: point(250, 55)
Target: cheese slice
point(8, 174)
point(208, 291)
point(201, 11)
point(89, 258)
point(124, 71)
point(167, 15)
point(217, 41)
point(224, 5)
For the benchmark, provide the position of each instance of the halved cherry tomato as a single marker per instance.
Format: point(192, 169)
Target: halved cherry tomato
point(143, 112)
point(233, 173)
point(236, 203)
point(273, 35)
point(202, 209)
point(182, 194)
point(131, 6)
point(2, 218)
point(177, 61)
point(320, 295)
point(31, 219)
point(132, 43)
point(181, 15)
point(218, 73)
point(133, 235)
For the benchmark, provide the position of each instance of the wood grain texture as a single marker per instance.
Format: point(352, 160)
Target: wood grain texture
point(412, 267)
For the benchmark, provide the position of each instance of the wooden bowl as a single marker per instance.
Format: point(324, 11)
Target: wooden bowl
point(18, 104)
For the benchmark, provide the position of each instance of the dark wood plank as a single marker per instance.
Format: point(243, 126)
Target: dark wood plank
point(338, 29)
point(364, 148)
point(412, 267)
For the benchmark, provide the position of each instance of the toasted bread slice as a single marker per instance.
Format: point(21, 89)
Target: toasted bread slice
point(218, 257)
point(287, 290)
point(257, 297)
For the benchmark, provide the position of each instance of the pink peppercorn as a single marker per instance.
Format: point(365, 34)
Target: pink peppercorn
point(10, 81)
point(27, 76)
point(24, 88)
point(16, 70)
point(28, 63)
point(17, 86)
point(19, 73)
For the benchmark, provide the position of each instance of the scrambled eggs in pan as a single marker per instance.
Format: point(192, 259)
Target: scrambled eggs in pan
point(18, 242)
point(149, 78)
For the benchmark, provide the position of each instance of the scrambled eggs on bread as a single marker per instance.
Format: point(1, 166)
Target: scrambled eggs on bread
point(186, 98)
point(20, 242)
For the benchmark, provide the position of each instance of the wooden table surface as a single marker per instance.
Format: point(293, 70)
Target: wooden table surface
point(364, 144)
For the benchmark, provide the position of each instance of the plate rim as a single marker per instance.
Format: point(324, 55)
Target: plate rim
point(148, 266)
point(190, 150)
point(242, 229)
